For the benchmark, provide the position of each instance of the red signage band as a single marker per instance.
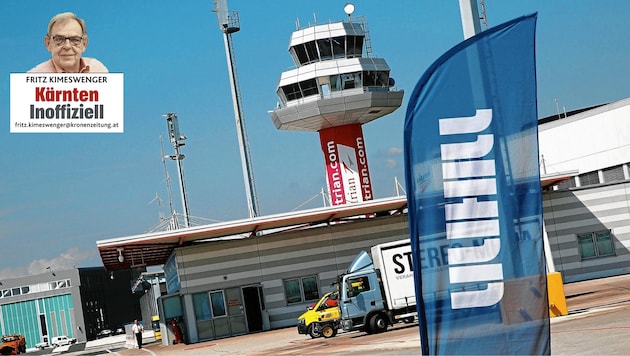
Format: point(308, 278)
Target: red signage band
point(347, 171)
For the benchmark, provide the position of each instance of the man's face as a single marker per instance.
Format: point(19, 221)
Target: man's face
point(66, 56)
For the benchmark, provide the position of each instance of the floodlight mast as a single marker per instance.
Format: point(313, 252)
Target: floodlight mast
point(229, 23)
point(470, 17)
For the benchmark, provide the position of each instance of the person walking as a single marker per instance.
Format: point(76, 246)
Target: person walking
point(138, 329)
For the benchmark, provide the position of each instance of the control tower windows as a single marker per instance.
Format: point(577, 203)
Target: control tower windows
point(309, 87)
point(298, 90)
point(326, 49)
point(311, 51)
point(328, 86)
point(291, 91)
point(339, 47)
point(305, 53)
point(299, 54)
point(354, 46)
point(375, 79)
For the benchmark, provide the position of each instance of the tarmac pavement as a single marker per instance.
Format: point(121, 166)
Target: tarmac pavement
point(598, 323)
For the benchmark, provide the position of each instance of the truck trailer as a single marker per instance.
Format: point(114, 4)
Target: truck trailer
point(379, 291)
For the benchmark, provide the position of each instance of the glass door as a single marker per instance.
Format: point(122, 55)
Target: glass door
point(236, 311)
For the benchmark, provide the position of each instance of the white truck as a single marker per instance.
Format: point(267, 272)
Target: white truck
point(379, 291)
point(62, 340)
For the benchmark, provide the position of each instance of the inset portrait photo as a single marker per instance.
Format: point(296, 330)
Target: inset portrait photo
point(67, 39)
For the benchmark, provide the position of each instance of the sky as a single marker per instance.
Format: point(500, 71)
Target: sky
point(62, 192)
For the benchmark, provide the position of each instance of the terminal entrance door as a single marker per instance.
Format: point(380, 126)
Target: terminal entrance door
point(254, 305)
point(236, 311)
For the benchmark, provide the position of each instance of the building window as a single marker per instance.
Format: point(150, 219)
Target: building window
point(566, 184)
point(339, 47)
point(300, 90)
point(292, 91)
point(311, 50)
point(325, 48)
point(217, 300)
point(309, 87)
point(376, 78)
point(613, 174)
point(596, 244)
point(589, 178)
point(302, 289)
point(299, 52)
point(201, 304)
point(172, 307)
point(354, 45)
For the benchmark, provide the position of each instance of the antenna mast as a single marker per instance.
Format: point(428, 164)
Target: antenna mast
point(178, 140)
point(174, 224)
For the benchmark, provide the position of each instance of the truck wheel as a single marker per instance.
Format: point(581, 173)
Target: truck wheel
point(328, 331)
point(314, 332)
point(367, 328)
point(378, 323)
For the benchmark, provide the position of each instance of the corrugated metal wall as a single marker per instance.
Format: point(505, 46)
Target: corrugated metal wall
point(571, 212)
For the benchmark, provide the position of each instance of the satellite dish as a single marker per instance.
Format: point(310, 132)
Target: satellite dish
point(348, 8)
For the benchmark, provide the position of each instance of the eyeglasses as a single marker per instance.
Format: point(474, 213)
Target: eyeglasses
point(61, 40)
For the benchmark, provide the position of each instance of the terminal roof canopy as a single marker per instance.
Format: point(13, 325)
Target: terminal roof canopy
point(153, 249)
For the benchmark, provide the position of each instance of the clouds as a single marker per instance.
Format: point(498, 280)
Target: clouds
point(66, 260)
point(393, 155)
point(390, 158)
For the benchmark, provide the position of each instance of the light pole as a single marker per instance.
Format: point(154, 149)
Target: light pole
point(229, 23)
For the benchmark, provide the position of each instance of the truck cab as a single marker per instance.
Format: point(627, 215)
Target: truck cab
point(380, 290)
point(361, 299)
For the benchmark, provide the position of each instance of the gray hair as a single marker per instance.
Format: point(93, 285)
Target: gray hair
point(64, 17)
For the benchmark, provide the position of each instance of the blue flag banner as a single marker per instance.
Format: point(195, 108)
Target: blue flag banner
point(474, 198)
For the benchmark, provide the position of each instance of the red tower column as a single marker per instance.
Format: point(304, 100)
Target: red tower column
point(347, 171)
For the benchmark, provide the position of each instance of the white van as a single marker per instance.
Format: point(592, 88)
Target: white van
point(62, 341)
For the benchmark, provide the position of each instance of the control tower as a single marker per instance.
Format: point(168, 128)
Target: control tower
point(335, 88)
